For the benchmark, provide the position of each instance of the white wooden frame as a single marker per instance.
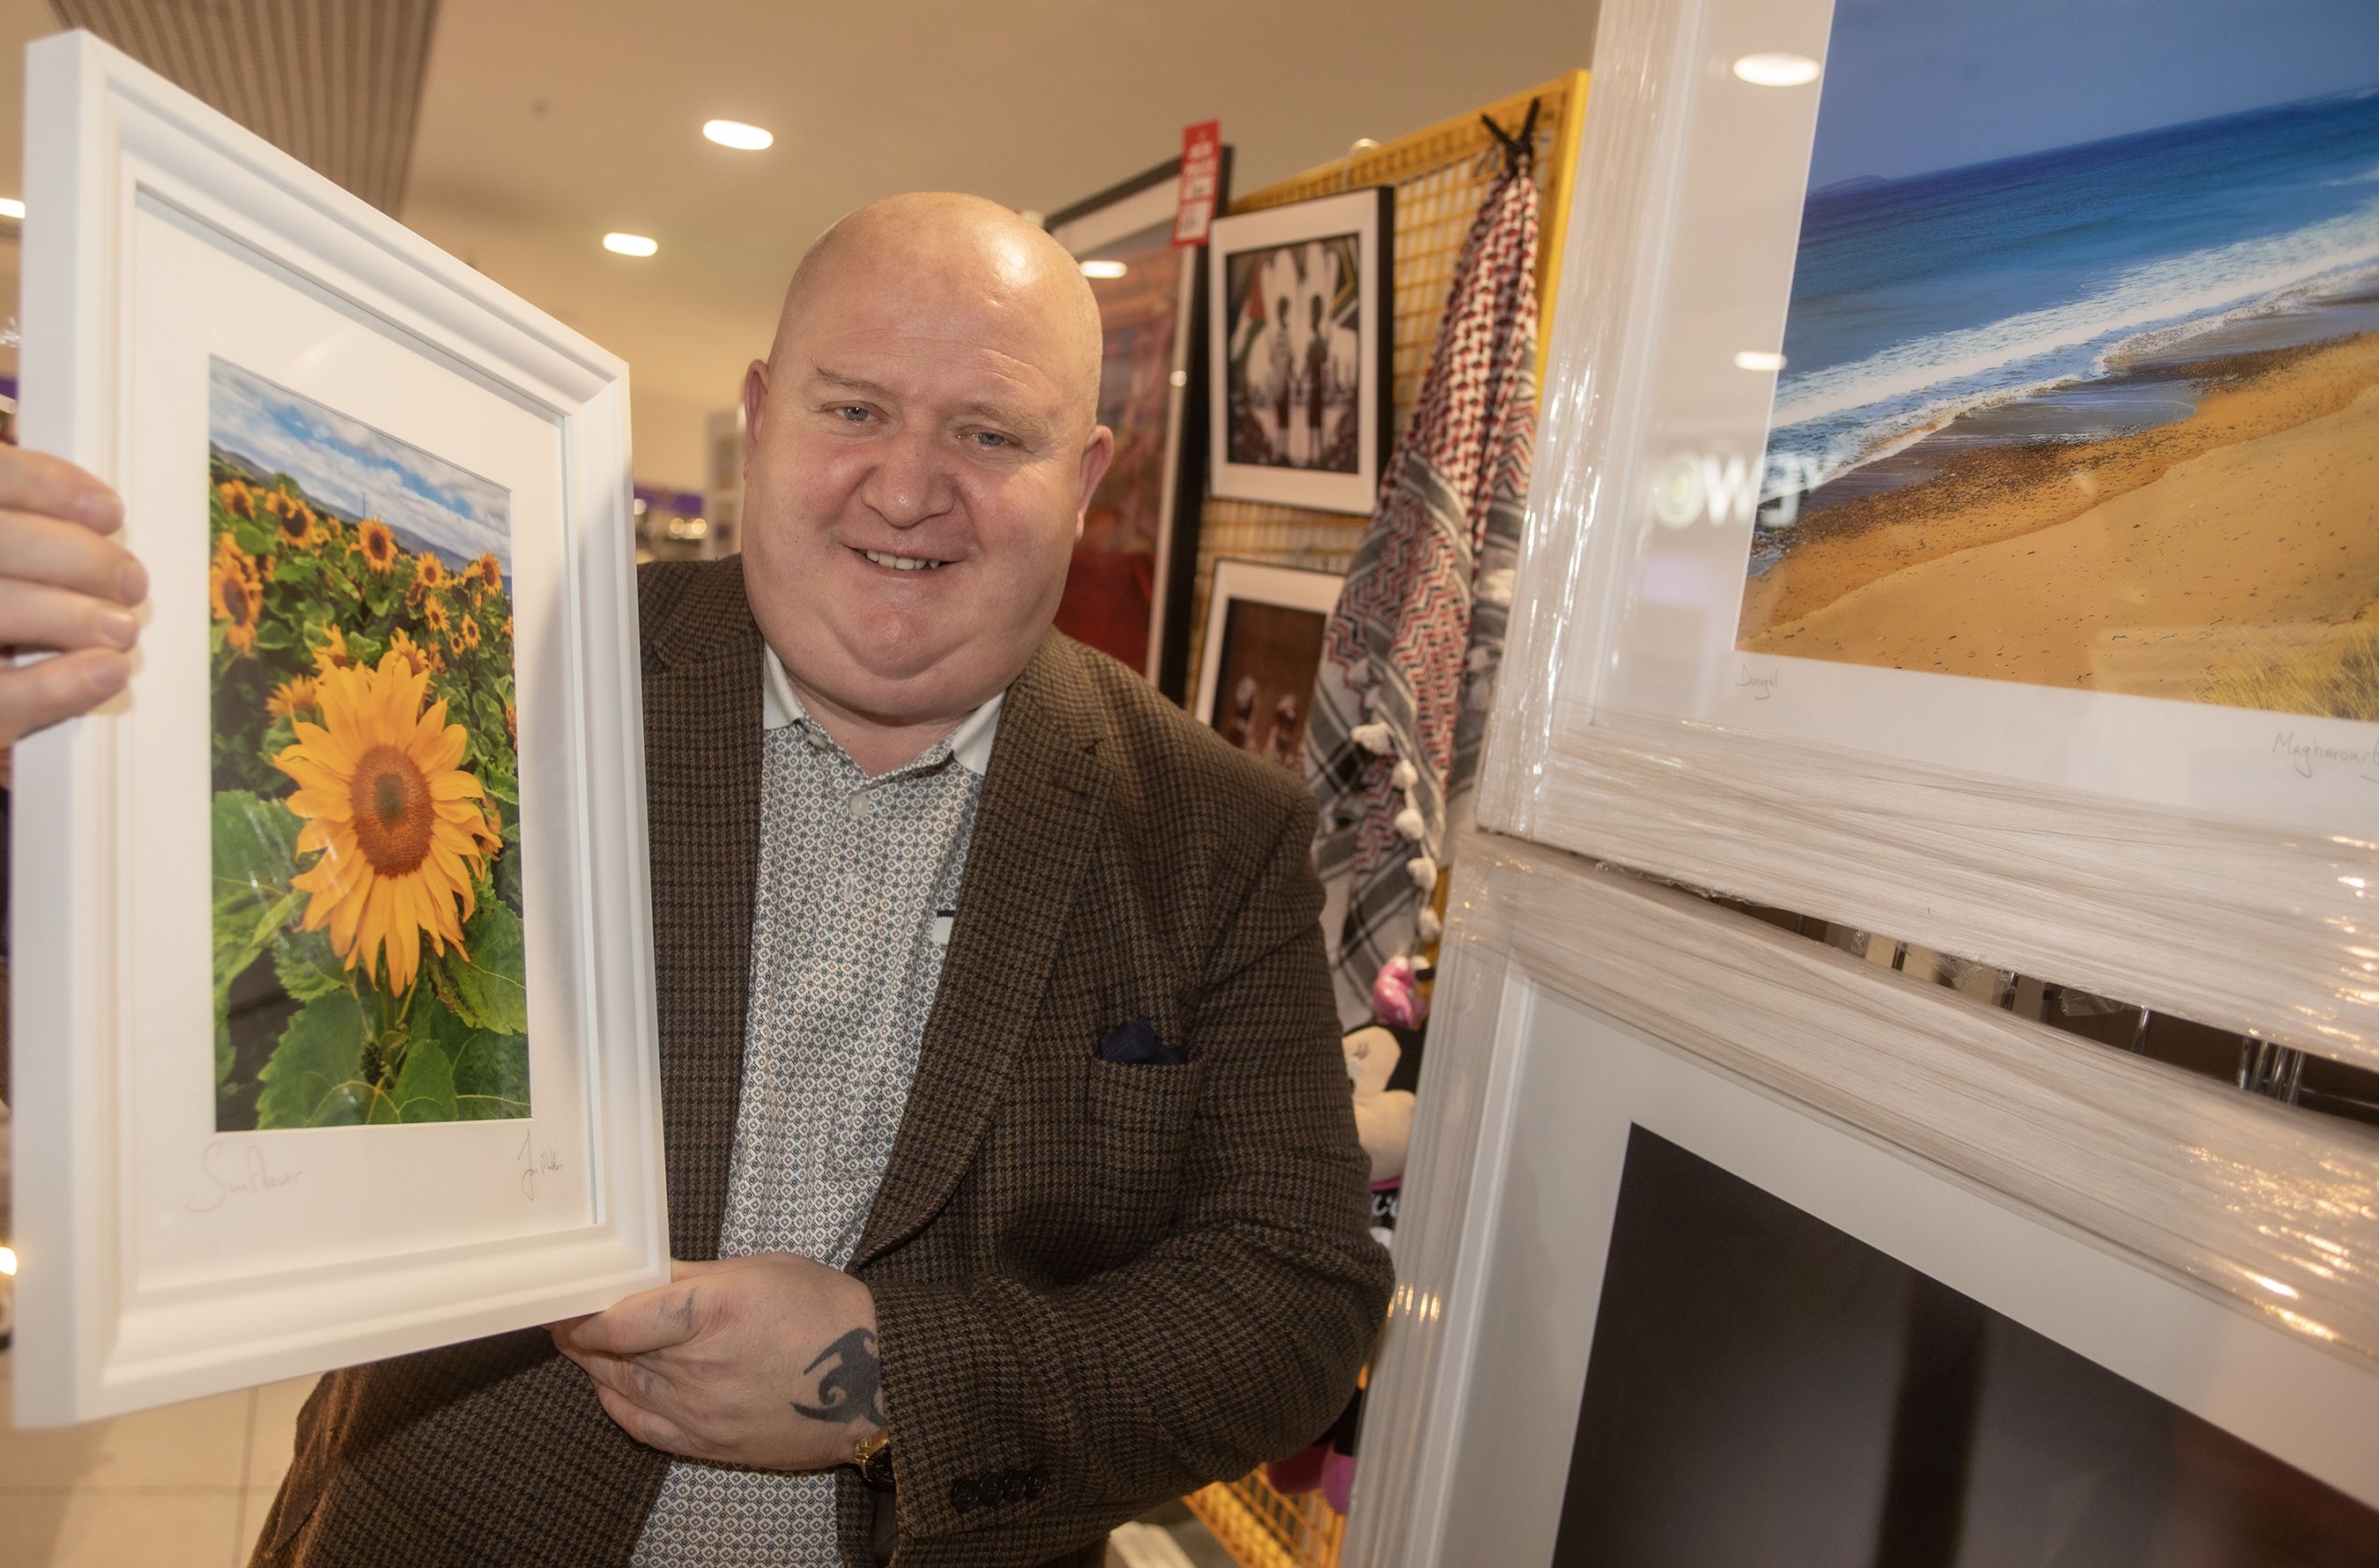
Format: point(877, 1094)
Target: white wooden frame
point(2175, 865)
point(1370, 215)
point(2219, 1250)
point(165, 1264)
point(1254, 582)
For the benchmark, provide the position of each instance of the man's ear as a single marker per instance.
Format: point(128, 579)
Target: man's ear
point(1097, 454)
point(755, 402)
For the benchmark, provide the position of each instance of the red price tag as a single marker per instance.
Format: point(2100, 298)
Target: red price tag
point(1202, 175)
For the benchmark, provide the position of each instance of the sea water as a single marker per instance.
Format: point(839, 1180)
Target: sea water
point(2036, 297)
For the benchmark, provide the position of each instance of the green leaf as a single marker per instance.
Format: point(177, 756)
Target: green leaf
point(252, 842)
point(274, 637)
point(489, 987)
point(491, 1077)
point(298, 569)
point(254, 537)
point(508, 877)
point(425, 1090)
point(307, 967)
point(311, 1081)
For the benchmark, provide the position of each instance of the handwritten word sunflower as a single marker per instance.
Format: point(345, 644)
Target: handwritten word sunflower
point(379, 543)
point(399, 829)
point(297, 695)
point(237, 591)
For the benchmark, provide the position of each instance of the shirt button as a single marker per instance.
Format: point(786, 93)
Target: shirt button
point(964, 1495)
point(861, 807)
point(811, 733)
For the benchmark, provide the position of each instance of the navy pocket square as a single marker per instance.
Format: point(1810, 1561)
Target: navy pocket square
point(1135, 1045)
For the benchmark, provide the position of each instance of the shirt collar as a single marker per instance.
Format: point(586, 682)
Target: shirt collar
point(970, 742)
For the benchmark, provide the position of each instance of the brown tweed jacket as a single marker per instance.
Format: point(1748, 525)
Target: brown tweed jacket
point(1096, 1286)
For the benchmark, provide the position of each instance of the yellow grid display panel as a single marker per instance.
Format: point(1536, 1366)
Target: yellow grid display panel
point(1442, 175)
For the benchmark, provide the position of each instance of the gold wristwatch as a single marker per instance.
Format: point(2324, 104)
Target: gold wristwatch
point(872, 1455)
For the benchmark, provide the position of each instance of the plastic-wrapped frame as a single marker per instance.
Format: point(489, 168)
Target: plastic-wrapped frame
point(2193, 859)
point(2224, 1243)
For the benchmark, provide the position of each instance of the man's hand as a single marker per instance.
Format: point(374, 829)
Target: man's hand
point(767, 1361)
point(64, 585)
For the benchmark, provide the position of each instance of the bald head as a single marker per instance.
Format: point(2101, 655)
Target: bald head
point(966, 245)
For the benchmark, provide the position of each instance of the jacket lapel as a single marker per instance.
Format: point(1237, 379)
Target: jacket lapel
point(1040, 813)
point(702, 784)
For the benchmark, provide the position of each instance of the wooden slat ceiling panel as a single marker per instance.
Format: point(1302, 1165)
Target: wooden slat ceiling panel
point(336, 83)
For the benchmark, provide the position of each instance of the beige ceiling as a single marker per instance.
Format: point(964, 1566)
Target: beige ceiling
point(542, 125)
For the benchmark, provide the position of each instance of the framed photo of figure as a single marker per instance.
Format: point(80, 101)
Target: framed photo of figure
point(1301, 334)
point(1802, 1292)
point(1128, 593)
point(2015, 595)
point(335, 1030)
point(1261, 651)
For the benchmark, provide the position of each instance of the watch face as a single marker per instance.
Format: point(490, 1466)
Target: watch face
point(876, 1469)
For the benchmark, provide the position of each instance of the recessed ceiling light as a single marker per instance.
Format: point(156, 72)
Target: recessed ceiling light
point(11, 207)
point(1753, 359)
point(1777, 70)
point(736, 134)
point(629, 244)
point(1104, 269)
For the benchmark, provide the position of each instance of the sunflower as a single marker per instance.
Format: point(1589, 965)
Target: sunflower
point(512, 725)
point(467, 634)
point(293, 517)
point(297, 695)
point(486, 572)
point(434, 616)
point(238, 499)
point(399, 829)
point(429, 571)
point(236, 592)
point(333, 654)
point(379, 544)
point(425, 661)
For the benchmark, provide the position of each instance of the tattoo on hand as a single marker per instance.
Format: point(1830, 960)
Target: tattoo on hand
point(848, 1392)
point(681, 1312)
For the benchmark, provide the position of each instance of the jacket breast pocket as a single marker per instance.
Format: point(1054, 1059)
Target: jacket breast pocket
point(1140, 1117)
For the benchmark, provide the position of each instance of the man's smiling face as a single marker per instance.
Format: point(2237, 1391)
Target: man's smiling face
point(921, 444)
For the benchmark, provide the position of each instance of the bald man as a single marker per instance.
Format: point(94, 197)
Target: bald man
point(1011, 1161)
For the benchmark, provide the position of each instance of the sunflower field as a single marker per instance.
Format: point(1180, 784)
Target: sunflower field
point(366, 828)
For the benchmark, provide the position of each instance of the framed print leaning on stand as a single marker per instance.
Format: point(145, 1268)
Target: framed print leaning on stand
point(1261, 651)
point(1128, 593)
point(1903, 553)
point(334, 1026)
point(1821, 1263)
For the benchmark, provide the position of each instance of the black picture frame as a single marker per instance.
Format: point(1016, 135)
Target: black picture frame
point(1163, 490)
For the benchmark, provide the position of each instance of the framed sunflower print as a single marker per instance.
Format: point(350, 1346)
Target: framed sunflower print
point(335, 1029)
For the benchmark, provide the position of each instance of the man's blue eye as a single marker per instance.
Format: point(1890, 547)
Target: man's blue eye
point(851, 412)
point(991, 437)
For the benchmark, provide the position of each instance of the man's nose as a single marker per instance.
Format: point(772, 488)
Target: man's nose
point(911, 482)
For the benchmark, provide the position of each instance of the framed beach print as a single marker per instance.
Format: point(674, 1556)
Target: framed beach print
point(1261, 651)
point(1798, 1293)
point(1954, 510)
point(1299, 340)
point(1127, 591)
point(334, 1033)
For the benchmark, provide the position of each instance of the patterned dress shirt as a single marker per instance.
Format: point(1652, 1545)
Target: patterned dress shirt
point(859, 880)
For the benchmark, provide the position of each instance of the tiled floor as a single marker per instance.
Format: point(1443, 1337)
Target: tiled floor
point(184, 1487)
point(188, 1487)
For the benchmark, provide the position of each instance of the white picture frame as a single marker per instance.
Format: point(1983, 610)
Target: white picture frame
point(1294, 604)
point(1316, 251)
point(2216, 863)
point(160, 1257)
point(2172, 1230)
